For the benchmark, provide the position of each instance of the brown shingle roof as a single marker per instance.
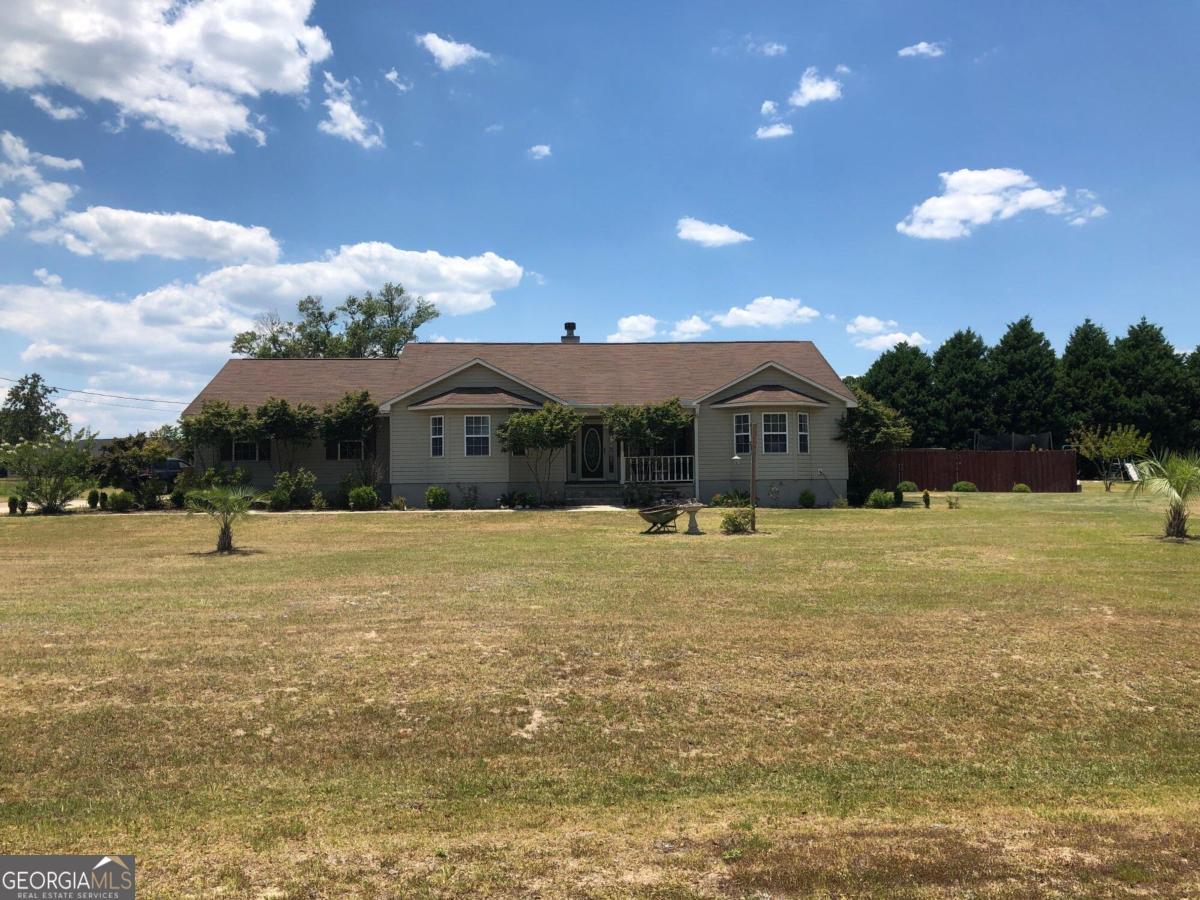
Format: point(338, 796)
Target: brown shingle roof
point(769, 394)
point(592, 374)
point(477, 397)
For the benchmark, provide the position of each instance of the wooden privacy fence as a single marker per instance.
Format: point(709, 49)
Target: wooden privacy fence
point(1045, 471)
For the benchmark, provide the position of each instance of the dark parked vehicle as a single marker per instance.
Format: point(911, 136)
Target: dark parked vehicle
point(166, 471)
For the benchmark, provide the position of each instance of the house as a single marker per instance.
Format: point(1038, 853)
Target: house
point(440, 405)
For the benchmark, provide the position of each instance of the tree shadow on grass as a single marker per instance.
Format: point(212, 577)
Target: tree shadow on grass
point(236, 551)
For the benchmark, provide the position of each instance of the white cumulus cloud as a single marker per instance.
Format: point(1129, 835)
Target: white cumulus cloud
point(707, 234)
point(769, 109)
point(928, 49)
point(890, 340)
point(343, 120)
point(974, 197)
point(539, 151)
point(869, 325)
point(774, 130)
point(813, 88)
point(46, 200)
point(450, 54)
point(689, 329)
point(54, 110)
point(129, 234)
point(188, 69)
point(773, 312)
point(631, 329)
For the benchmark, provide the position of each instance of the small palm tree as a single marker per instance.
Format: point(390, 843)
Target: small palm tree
point(226, 505)
point(1175, 476)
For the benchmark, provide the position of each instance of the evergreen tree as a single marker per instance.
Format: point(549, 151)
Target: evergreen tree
point(1193, 365)
point(962, 387)
point(1087, 392)
point(1156, 389)
point(1023, 369)
point(902, 378)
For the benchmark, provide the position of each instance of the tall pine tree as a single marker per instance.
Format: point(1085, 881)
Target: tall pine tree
point(1087, 393)
point(1023, 368)
point(1193, 365)
point(902, 378)
point(1156, 389)
point(962, 386)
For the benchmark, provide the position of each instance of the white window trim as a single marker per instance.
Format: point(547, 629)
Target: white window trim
point(442, 437)
point(489, 436)
point(233, 457)
point(749, 435)
point(361, 456)
point(762, 425)
point(806, 431)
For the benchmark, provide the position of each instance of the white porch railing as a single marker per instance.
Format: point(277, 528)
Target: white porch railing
point(658, 468)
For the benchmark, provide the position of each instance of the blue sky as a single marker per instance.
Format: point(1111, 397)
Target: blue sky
point(168, 176)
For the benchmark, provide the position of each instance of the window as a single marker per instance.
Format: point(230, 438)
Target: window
point(774, 428)
point(350, 449)
point(245, 451)
point(437, 436)
point(477, 435)
point(741, 433)
point(801, 432)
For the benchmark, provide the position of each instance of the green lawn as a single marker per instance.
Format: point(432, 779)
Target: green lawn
point(1000, 700)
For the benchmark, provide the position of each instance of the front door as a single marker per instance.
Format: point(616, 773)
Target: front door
point(592, 457)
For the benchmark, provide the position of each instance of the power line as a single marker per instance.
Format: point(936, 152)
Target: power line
point(99, 394)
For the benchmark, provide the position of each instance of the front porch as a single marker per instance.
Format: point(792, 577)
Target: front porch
point(595, 457)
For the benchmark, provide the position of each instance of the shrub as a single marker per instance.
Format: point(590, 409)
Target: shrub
point(841, 503)
point(400, 504)
point(953, 502)
point(104, 499)
point(437, 497)
point(525, 500)
point(22, 505)
point(219, 476)
point(178, 496)
point(120, 501)
point(279, 500)
point(879, 499)
point(1020, 488)
point(908, 487)
point(298, 487)
point(898, 497)
point(731, 498)
point(964, 487)
point(13, 503)
point(318, 501)
point(363, 498)
point(736, 521)
point(93, 498)
point(508, 500)
point(925, 499)
point(469, 494)
point(808, 500)
point(147, 493)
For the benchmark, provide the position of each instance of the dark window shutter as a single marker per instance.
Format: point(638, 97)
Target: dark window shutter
point(369, 447)
point(226, 451)
point(331, 449)
point(264, 450)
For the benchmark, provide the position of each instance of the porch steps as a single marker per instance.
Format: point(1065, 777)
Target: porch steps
point(598, 494)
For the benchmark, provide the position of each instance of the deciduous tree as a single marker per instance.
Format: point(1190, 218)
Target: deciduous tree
point(540, 435)
point(28, 413)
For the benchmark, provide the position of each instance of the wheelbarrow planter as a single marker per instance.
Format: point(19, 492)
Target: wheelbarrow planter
point(662, 517)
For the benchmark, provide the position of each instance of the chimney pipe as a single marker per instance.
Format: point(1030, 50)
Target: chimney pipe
point(570, 337)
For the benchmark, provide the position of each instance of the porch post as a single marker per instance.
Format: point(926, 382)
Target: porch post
point(696, 452)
